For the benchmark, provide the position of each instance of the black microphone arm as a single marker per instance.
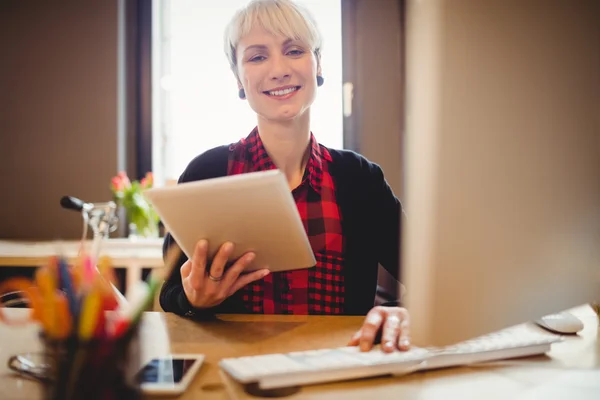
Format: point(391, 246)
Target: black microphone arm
point(75, 204)
point(101, 217)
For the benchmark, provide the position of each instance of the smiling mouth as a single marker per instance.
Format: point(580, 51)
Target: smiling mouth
point(282, 92)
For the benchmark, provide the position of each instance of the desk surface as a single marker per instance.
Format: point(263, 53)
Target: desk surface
point(123, 251)
point(571, 369)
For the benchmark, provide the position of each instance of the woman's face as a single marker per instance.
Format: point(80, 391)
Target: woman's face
point(278, 74)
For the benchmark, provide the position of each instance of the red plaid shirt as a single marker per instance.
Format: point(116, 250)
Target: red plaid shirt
point(317, 290)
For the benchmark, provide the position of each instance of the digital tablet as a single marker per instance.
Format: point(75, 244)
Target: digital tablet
point(255, 211)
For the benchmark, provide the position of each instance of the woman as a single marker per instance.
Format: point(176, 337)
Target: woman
point(350, 213)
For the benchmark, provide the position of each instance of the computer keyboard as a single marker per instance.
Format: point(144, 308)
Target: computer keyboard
point(272, 371)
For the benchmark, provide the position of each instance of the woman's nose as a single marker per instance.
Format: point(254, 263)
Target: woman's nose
point(280, 68)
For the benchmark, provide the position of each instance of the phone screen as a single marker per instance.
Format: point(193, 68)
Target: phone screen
point(166, 370)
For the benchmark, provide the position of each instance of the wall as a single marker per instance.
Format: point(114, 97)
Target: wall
point(58, 112)
point(379, 93)
point(379, 87)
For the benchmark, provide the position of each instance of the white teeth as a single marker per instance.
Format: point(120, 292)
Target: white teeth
point(282, 92)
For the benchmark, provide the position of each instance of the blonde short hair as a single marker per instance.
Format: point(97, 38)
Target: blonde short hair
point(278, 17)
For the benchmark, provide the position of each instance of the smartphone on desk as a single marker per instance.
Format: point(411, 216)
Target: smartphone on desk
point(169, 375)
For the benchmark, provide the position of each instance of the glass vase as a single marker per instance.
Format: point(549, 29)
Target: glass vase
point(150, 231)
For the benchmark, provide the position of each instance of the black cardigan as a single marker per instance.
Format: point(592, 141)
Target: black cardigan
point(370, 223)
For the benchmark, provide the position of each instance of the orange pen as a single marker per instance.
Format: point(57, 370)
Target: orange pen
point(105, 269)
point(46, 283)
point(108, 279)
point(76, 272)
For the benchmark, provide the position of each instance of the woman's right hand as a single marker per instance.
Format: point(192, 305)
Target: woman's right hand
point(207, 287)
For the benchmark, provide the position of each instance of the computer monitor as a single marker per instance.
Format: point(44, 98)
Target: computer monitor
point(502, 163)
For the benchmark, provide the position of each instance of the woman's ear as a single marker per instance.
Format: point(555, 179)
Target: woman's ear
point(236, 75)
point(320, 79)
point(241, 91)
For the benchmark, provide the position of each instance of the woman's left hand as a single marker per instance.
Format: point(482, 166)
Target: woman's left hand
point(393, 322)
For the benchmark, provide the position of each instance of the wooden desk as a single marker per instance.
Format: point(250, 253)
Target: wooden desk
point(133, 255)
point(570, 371)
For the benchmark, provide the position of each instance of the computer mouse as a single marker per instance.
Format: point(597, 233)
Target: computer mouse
point(563, 323)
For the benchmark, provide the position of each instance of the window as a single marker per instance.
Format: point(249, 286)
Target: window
point(195, 101)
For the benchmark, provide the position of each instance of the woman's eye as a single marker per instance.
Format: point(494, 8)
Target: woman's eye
point(256, 59)
point(295, 52)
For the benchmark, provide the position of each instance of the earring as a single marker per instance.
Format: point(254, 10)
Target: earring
point(320, 80)
point(242, 93)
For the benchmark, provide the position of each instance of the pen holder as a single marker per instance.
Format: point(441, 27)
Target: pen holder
point(92, 370)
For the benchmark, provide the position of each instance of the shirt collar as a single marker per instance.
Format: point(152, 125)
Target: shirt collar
point(261, 161)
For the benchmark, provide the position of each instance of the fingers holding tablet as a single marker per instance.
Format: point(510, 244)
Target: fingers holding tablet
point(207, 287)
point(241, 281)
point(217, 267)
point(197, 266)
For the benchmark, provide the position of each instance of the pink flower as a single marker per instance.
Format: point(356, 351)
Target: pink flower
point(147, 181)
point(124, 178)
point(117, 184)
